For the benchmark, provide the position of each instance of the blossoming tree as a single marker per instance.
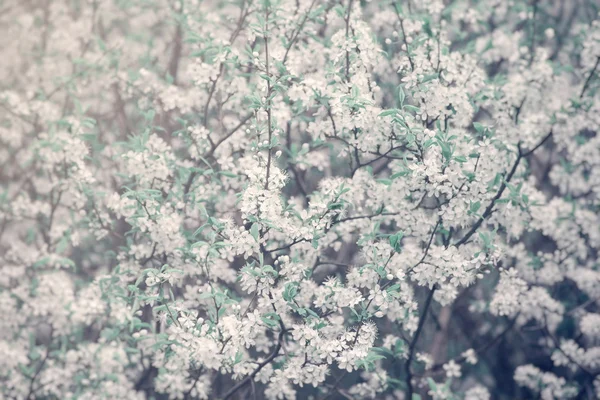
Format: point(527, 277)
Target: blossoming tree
point(280, 199)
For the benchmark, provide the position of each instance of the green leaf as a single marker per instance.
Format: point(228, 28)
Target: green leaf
point(228, 174)
point(429, 77)
point(384, 351)
point(401, 96)
point(432, 385)
point(395, 240)
point(315, 243)
point(270, 319)
point(335, 206)
point(238, 357)
point(254, 231)
point(290, 291)
point(41, 262)
point(385, 113)
point(62, 245)
point(267, 269)
point(34, 354)
point(394, 288)
point(480, 128)
point(396, 383)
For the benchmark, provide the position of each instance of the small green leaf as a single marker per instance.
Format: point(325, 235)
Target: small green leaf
point(401, 96)
point(290, 291)
point(254, 231)
point(228, 174)
point(388, 112)
point(429, 77)
point(395, 240)
point(480, 128)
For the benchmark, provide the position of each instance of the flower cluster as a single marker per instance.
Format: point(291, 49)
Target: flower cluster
point(289, 199)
